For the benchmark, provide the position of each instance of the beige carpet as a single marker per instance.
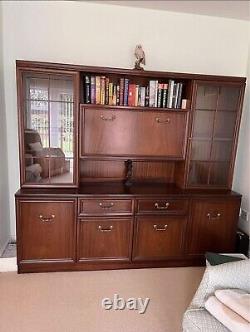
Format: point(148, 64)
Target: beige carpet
point(71, 302)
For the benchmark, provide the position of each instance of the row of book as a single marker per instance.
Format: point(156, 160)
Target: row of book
point(101, 91)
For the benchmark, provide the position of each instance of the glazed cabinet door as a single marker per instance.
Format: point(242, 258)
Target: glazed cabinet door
point(46, 230)
point(133, 133)
point(212, 226)
point(106, 238)
point(158, 237)
point(213, 140)
point(48, 103)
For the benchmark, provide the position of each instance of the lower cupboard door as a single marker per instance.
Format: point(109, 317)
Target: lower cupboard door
point(158, 237)
point(104, 239)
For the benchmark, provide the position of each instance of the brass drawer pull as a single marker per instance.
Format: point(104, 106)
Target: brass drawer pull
point(162, 121)
point(160, 229)
point(214, 216)
point(106, 206)
point(47, 219)
point(108, 229)
point(162, 207)
point(111, 118)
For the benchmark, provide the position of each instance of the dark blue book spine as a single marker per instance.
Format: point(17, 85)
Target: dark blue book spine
point(87, 89)
point(126, 86)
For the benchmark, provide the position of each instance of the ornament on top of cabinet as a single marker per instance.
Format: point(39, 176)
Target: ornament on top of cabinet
point(140, 57)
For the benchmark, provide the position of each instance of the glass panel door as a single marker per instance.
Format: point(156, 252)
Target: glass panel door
point(49, 129)
point(212, 137)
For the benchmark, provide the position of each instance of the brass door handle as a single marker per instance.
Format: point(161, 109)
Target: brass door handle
point(162, 121)
point(106, 206)
point(108, 229)
point(213, 216)
point(160, 228)
point(47, 219)
point(162, 207)
point(111, 118)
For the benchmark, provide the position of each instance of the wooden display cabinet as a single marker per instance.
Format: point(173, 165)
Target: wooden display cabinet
point(106, 185)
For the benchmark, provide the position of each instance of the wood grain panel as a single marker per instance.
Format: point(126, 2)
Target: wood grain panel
point(212, 226)
point(135, 134)
point(158, 237)
point(104, 238)
point(46, 230)
point(101, 170)
point(105, 206)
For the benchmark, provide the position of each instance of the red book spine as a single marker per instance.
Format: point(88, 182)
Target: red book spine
point(131, 95)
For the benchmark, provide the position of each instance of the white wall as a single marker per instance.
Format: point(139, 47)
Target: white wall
point(242, 166)
point(4, 195)
point(99, 34)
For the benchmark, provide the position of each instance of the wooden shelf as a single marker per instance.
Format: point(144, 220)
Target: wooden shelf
point(135, 108)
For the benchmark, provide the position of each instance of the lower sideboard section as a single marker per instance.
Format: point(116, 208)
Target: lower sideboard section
point(66, 234)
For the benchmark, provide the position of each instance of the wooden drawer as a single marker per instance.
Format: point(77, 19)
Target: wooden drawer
point(104, 239)
point(142, 134)
point(105, 207)
point(46, 230)
point(212, 225)
point(166, 206)
point(158, 237)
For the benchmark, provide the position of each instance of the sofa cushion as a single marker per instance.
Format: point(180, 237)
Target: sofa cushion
point(224, 276)
point(200, 320)
point(236, 300)
point(226, 316)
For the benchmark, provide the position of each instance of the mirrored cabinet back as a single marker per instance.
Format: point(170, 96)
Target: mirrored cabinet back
point(124, 168)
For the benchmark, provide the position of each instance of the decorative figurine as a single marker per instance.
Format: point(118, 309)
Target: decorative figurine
point(140, 57)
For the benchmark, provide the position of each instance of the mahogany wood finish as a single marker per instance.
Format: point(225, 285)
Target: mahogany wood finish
point(168, 206)
point(105, 207)
point(179, 203)
point(158, 237)
point(130, 130)
point(48, 230)
point(104, 238)
point(212, 225)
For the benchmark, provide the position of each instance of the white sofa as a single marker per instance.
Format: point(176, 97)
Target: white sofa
point(224, 276)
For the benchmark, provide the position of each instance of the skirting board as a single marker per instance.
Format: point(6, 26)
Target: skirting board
point(8, 264)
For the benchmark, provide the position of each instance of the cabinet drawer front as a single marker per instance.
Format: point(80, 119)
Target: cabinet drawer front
point(212, 226)
point(46, 230)
point(158, 238)
point(105, 206)
point(166, 206)
point(154, 134)
point(104, 238)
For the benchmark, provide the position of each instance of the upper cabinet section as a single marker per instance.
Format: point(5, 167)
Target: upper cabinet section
point(216, 117)
point(47, 105)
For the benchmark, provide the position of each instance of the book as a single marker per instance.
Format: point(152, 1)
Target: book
point(179, 96)
point(170, 93)
point(136, 95)
point(131, 94)
point(87, 89)
point(118, 94)
point(121, 103)
point(102, 90)
point(142, 96)
point(107, 91)
point(92, 90)
point(160, 94)
point(175, 92)
point(153, 85)
point(114, 95)
point(110, 93)
point(126, 86)
point(98, 89)
point(164, 95)
point(147, 96)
